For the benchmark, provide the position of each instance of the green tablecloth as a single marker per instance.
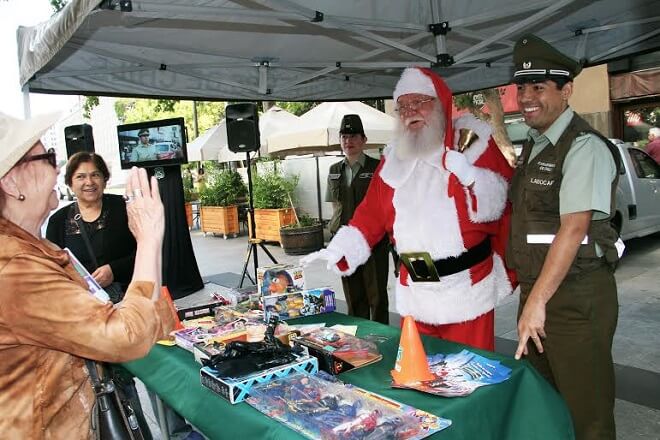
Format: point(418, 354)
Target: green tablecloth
point(525, 407)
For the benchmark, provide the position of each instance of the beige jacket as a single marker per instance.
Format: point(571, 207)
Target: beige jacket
point(48, 323)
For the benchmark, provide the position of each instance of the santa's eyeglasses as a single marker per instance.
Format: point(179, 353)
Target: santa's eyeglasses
point(48, 155)
point(412, 106)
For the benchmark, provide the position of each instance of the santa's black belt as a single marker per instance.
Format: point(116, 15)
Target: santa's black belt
point(422, 268)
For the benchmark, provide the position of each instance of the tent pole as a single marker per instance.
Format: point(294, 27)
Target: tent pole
point(27, 111)
point(318, 188)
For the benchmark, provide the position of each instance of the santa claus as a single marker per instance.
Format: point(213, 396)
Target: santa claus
point(445, 211)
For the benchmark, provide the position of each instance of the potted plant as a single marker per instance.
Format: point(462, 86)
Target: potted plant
point(273, 193)
point(219, 213)
point(303, 236)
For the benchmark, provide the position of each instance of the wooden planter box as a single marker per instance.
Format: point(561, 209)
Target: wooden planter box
point(220, 220)
point(189, 219)
point(269, 222)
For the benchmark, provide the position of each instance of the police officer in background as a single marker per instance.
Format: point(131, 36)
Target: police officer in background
point(562, 244)
point(348, 180)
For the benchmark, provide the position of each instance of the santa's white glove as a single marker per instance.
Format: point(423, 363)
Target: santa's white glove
point(459, 165)
point(331, 256)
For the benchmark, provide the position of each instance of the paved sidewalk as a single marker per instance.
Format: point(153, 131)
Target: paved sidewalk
point(637, 341)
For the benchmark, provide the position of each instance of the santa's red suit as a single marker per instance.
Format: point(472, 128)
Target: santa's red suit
point(424, 208)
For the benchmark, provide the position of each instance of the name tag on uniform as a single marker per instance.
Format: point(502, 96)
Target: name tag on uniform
point(334, 176)
point(542, 182)
point(366, 175)
point(547, 166)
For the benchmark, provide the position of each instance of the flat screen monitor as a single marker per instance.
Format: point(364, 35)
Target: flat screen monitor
point(152, 143)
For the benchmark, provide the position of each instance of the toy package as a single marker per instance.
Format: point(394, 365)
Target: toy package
point(188, 337)
point(235, 390)
point(320, 408)
point(459, 374)
point(280, 279)
point(303, 303)
point(338, 351)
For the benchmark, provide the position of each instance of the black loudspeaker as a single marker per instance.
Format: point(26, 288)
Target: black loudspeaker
point(242, 127)
point(78, 138)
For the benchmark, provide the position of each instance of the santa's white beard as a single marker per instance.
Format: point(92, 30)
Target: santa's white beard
point(417, 144)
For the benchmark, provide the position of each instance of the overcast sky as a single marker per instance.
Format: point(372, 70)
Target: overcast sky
point(26, 13)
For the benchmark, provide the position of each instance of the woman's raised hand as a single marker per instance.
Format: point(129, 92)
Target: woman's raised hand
point(146, 215)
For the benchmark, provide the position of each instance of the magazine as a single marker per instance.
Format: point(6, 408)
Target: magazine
point(94, 287)
point(459, 374)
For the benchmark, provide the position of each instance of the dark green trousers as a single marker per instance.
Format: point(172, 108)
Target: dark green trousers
point(366, 289)
point(580, 322)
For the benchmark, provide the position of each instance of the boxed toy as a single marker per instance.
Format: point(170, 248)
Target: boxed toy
point(279, 279)
point(338, 351)
point(303, 303)
point(235, 390)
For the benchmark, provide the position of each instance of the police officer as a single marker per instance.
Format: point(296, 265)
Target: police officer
point(348, 180)
point(561, 243)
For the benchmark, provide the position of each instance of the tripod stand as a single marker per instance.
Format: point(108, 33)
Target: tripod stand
point(252, 240)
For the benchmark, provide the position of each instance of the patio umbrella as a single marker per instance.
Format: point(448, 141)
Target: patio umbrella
point(318, 129)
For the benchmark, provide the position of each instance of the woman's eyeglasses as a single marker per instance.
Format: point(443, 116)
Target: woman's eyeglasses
point(48, 155)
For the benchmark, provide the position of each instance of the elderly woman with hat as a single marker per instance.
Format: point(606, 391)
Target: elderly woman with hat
point(49, 321)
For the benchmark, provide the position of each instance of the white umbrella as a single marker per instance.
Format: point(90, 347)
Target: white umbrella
point(318, 129)
point(275, 120)
point(212, 145)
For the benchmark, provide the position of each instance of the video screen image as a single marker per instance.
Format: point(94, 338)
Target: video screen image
point(153, 143)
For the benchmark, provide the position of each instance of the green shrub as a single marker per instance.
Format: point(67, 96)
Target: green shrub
point(226, 188)
point(304, 220)
point(272, 190)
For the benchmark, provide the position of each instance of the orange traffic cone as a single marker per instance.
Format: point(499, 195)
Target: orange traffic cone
point(411, 364)
point(165, 292)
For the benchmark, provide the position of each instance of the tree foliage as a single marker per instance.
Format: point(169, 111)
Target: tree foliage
point(137, 110)
point(299, 108)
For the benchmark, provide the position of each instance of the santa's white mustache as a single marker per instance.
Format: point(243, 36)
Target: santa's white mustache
point(412, 120)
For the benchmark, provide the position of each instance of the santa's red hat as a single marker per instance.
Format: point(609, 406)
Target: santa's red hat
point(426, 82)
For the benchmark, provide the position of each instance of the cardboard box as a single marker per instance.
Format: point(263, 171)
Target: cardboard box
point(303, 303)
point(280, 279)
point(236, 390)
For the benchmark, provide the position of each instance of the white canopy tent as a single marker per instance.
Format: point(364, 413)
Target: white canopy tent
point(318, 129)
point(297, 50)
point(213, 145)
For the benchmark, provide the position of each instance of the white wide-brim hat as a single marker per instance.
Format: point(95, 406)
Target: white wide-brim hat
point(17, 136)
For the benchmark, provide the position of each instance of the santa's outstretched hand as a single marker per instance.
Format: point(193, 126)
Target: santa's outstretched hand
point(458, 164)
point(330, 255)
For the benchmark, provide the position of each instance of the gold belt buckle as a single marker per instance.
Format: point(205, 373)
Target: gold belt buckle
point(420, 266)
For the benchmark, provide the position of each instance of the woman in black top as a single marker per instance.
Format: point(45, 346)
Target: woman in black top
point(104, 218)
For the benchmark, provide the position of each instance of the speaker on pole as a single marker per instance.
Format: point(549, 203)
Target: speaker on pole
point(78, 138)
point(242, 127)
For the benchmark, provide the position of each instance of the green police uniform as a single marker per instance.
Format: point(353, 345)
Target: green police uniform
point(568, 168)
point(366, 289)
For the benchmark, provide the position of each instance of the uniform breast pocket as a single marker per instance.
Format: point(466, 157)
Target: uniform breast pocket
point(334, 187)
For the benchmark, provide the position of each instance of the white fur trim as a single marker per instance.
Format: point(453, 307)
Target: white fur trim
point(490, 190)
point(414, 81)
point(350, 243)
point(482, 130)
point(453, 299)
point(425, 216)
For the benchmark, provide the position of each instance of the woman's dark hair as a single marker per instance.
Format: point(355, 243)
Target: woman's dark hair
point(81, 157)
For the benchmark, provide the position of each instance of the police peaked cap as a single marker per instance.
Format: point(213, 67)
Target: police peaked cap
point(351, 124)
point(536, 60)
